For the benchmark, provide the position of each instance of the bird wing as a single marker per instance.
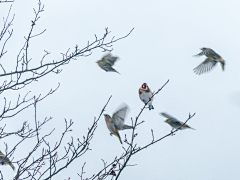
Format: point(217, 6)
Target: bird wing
point(207, 51)
point(169, 117)
point(119, 117)
point(205, 66)
point(109, 59)
point(105, 66)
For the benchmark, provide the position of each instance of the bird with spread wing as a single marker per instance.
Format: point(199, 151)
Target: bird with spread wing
point(174, 123)
point(116, 122)
point(212, 59)
point(107, 62)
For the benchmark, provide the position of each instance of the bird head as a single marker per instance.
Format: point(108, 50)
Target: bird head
point(107, 117)
point(168, 121)
point(98, 62)
point(144, 86)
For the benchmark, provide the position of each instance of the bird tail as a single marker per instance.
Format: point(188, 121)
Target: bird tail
point(222, 64)
point(116, 71)
point(127, 127)
point(117, 134)
point(11, 165)
point(119, 139)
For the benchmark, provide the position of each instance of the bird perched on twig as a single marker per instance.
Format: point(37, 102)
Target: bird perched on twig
point(107, 62)
point(5, 161)
point(116, 122)
point(175, 123)
point(145, 94)
point(209, 62)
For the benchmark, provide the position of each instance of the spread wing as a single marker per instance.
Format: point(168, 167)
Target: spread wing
point(109, 59)
point(205, 66)
point(207, 51)
point(119, 117)
point(169, 117)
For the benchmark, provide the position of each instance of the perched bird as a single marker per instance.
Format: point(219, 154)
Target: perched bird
point(116, 122)
point(4, 160)
point(107, 62)
point(209, 62)
point(145, 94)
point(175, 123)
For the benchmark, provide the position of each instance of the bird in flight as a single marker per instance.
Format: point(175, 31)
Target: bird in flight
point(116, 122)
point(174, 123)
point(107, 62)
point(209, 62)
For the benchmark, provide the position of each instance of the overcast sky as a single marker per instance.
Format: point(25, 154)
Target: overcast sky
point(166, 36)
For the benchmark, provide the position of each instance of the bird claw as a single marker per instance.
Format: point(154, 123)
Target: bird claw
point(111, 134)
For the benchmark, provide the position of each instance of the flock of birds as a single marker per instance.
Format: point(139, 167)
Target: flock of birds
point(212, 59)
point(116, 122)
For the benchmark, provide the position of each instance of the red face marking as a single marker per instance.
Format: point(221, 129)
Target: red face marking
point(144, 85)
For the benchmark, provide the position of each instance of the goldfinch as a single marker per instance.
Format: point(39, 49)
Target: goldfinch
point(5, 161)
point(175, 123)
point(145, 94)
point(116, 122)
point(107, 62)
point(209, 62)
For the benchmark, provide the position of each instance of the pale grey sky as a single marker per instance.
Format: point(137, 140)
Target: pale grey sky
point(166, 35)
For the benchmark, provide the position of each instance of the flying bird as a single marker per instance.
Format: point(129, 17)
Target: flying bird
point(107, 62)
point(209, 62)
point(116, 122)
point(5, 161)
point(175, 123)
point(145, 95)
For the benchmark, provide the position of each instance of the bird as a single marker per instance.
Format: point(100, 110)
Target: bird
point(116, 122)
point(4, 160)
point(145, 95)
point(175, 123)
point(107, 62)
point(209, 62)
